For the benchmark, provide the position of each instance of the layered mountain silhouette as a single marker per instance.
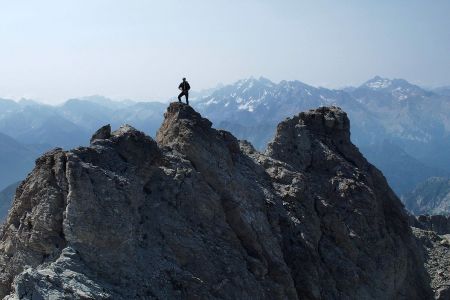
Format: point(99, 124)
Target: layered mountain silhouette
point(198, 214)
point(70, 124)
point(16, 160)
point(401, 169)
point(27, 128)
point(402, 128)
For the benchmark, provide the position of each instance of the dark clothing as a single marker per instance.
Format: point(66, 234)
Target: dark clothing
point(186, 94)
point(184, 87)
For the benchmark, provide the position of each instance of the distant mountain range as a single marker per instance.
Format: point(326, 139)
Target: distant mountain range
point(71, 124)
point(402, 171)
point(400, 127)
point(445, 90)
point(403, 129)
point(16, 160)
point(430, 197)
point(28, 128)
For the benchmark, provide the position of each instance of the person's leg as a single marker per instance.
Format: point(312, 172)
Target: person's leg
point(179, 96)
point(187, 97)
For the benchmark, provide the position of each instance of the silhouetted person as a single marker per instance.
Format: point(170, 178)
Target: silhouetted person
point(184, 87)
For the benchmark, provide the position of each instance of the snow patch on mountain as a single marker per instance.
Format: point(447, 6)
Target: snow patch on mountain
point(401, 93)
point(211, 101)
point(246, 106)
point(379, 83)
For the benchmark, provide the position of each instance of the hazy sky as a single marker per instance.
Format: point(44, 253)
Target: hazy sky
point(140, 49)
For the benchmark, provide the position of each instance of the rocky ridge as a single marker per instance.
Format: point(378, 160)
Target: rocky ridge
point(438, 223)
point(198, 214)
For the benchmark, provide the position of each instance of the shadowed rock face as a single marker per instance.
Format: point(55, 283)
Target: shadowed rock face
point(200, 215)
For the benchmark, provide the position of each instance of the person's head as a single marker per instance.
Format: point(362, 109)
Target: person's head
point(184, 79)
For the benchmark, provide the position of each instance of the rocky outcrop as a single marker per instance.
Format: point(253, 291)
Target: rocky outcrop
point(433, 235)
point(102, 134)
point(436, 250)
point(198, 214)
point(438, 223)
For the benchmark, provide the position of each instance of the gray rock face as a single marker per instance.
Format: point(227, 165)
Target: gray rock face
point(437, 260)
point(200, 215)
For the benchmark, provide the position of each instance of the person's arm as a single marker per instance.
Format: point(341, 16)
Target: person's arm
point(188, 86)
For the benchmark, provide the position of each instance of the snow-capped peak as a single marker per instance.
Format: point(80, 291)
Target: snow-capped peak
point(378, 83)
point(398, 88)
point(252, 81)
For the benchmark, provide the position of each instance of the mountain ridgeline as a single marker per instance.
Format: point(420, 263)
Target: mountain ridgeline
point(28, 129)
point(401, 128)
point(198, 214)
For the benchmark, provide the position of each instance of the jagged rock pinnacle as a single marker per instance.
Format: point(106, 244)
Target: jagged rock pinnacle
point(180, 115)
point(182, 111)
point(102, 134)
point(198, 215)
point(295, 137)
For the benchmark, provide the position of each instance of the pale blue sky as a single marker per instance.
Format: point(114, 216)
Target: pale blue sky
point(140, 49)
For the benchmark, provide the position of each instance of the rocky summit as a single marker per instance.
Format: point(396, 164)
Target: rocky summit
point(198, 214)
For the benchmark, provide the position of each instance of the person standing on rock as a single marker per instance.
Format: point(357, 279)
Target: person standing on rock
point(184, 87)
